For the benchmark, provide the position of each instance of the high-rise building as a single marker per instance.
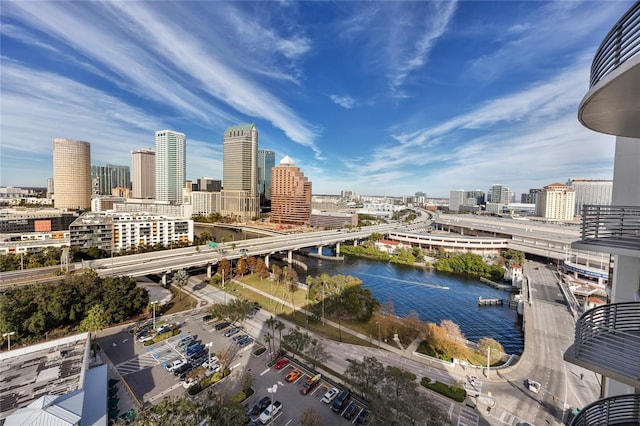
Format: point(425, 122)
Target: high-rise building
point(592, 192)
point(290, 194)
point(606, 337)
point(266, 162)
point(240, 197)
point(556, 202)
point(171, 165)
point(456, 199)
point(531, 197)
point(109, 177)
point(499, 194)
point(143, 173)
point(209, 185)
point(71, 174)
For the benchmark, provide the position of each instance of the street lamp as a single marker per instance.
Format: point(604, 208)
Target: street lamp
point(208, 345)
point(272, 390)
point(154, 303)
point(378, 323)
point(322, 301)
point(224, 292)
point(8, 336)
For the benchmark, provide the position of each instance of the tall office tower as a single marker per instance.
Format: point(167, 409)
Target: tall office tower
point(240, 197)
point(109, 177)
point(49, 187)
point(290, 194)
point(592, 192)
point(348, 195)
point(71, 174)
point(556, 202)
point(143, 173)
point(475, 198)
point(499, 194)
point(457, 197)
point(606, 337)
point(171, 165)
point(266, 162)
point(531, 197)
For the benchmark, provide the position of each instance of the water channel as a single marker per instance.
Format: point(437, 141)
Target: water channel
point(434, 296)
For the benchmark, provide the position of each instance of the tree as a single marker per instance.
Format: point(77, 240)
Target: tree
point(292, 279)
point(310, 417)
point(317, 353)
point(268, 339)
point(279, 325)
point(261, 269)
point(180, 279)
point(94, 321)
point(365, 374)
point(453, 331)
point(246, 380)
point(297, 340)
point(224, 269)
point(495, 349)
point(241, 267)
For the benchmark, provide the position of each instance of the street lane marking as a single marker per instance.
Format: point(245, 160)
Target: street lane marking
point(265, 372)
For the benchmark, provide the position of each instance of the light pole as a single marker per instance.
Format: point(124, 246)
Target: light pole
point(154, 303)
point(208, 345)
point(224, 292)
point(488, 360)
point(322, 301)
point(8, 336)
point(378, 323)
point(272, 390)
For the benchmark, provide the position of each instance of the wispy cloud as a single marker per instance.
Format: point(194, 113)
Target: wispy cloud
point(344, 101)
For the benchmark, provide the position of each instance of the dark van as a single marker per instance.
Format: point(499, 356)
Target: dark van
point(341, 401)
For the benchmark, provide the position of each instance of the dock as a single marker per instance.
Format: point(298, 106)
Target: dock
point(489, 302)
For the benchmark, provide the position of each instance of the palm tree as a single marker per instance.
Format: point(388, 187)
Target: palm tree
point(180, 279)
point(279, 325)
point(267, 340)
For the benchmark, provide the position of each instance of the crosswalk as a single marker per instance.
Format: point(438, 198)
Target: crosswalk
point(473, 386)
point(468, 417)
point(163, 353)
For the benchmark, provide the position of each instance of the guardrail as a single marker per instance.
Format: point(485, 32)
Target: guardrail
point(609, 337)
point(611, 225)
point(615, 410)
point(619, 45)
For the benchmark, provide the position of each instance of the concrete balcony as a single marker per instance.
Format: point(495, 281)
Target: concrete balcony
point(616, 410)
point(611, 106)
point(610, 229)
point(607, 341)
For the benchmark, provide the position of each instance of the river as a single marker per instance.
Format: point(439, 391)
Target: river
point(434, 296)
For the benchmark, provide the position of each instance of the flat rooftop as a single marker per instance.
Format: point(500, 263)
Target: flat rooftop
point(56, 367)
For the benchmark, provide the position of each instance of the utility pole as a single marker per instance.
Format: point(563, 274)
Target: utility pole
point(488, 360)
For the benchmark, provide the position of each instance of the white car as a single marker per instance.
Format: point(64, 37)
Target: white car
point(270, 412)
point(330, 395)
point(145, 338)
point(176, 364)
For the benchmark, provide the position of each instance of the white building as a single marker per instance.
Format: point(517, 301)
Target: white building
point(171, 165)
point(556, 202)
point(121, 231)
point(457, 198)
point(591, 192)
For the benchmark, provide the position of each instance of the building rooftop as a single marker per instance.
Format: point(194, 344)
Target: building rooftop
point(30, 373)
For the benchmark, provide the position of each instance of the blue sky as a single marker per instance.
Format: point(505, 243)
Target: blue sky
point(377, 97)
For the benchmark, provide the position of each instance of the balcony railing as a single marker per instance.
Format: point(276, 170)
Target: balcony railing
point(607, 341)
point(616, 410)
point(617, 226)
point(622, 43)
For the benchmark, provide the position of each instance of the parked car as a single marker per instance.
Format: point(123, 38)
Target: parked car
point(184, 367)
point(145, 338)
point(341, 401)
point(176, 364)
point(293, 375)
point(351, 411)
point(163, 329)
point(238, 337)
point(199, 353)
point(310, 384)
point(282, 362)
point(261, 405)
point(245, 342)
point(207, 318)
point(185, 373)
point(191, 344)
point(194, 349)
point(232, 331)
point(364, 417)
point(222, 325)
point(330, 395)
point(270, 412)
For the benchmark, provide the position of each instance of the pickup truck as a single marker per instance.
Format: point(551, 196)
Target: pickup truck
point(311, 383)
point(270, 412)
point(533, 386)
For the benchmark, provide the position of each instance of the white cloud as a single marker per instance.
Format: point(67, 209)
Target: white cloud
point(344, 101)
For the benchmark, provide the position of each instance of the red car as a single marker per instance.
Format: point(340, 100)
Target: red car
point(281, 363)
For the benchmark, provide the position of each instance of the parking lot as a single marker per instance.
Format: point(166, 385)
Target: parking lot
point(143, 368)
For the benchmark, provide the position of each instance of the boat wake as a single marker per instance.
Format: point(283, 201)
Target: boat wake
point(436, 286)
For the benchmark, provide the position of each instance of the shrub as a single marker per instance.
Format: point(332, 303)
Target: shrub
point(456, 393)
point(259, 351)
point(238, 397)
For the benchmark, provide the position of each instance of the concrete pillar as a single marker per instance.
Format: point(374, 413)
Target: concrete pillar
point(209, 271)
point(164, 279)
point(337, 249)
point(290, 257)
point(320, 250)
point(266, 260)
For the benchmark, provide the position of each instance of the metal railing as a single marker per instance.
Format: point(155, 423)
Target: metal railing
point(611, 225)
point(615, 410)
point(609, 337)
point(621, 44)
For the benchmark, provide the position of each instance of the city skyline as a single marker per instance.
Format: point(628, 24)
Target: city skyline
point(461, 95)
